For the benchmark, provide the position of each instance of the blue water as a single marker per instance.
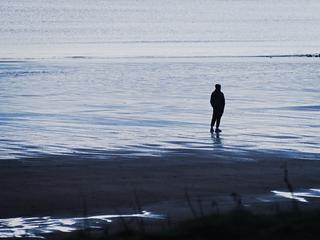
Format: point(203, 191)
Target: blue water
point(125, 28)
point(106, 107)
point(134, 77)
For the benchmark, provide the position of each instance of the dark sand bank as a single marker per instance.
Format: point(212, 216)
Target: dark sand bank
point(59, 186)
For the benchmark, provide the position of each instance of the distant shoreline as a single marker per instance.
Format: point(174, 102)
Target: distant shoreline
point(79, 57)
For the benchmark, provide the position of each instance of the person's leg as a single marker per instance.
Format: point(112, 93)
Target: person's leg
point(218, 122)
point(213, 120)
point(219, 115)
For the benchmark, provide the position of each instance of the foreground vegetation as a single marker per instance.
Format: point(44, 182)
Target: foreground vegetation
point(237, 224)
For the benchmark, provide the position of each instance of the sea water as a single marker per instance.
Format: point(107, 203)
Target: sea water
point(104, 78)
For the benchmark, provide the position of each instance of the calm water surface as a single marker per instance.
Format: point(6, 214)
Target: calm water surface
point(95, 28)
point(152, 106)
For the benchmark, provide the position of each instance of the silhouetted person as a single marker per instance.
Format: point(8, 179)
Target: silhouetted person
point(217, 102)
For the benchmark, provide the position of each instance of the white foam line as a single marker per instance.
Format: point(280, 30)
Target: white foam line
point(290, 196)
point(38, 226)
point(299, 196)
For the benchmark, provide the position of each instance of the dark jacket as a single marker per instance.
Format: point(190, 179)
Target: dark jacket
point(217, 101)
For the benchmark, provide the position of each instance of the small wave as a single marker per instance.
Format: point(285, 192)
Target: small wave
point(313, 108)
point(3, 61)
point(307, 108)
point(80, 57)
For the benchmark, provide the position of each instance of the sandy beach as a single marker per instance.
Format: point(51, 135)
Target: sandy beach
point(61, 186)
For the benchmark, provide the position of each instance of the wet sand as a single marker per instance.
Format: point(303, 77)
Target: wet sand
point(68, 186)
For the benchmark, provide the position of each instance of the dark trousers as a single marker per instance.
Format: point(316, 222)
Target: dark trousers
point(216, 116)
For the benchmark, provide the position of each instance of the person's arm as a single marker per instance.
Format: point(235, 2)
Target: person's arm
point(223, 102)
point(212, 100)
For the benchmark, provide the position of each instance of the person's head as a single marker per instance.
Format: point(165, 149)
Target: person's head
point(218, 87)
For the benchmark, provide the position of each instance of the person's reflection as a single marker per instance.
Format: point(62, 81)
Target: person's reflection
point(216, 140)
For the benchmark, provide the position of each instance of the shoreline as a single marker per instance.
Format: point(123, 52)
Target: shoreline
point(61, 187)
